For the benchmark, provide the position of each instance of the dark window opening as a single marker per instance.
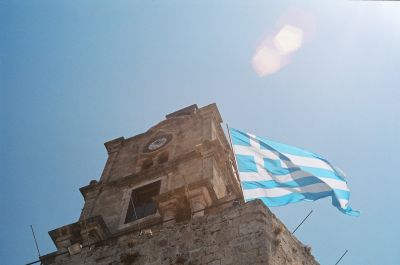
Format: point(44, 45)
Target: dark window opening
point(163, 158)
point(147, 163)
point(141, 203)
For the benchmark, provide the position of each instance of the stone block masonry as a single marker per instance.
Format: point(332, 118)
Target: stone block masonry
point(247, 234)
point(169, 196)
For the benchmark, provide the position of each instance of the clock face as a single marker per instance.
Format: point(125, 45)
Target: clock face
point(157, 143)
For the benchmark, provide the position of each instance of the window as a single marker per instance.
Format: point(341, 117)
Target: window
point(141, 203)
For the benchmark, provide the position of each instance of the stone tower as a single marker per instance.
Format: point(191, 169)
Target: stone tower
point(171, 196)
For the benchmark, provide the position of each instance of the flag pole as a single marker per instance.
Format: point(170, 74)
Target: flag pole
point(234, 159)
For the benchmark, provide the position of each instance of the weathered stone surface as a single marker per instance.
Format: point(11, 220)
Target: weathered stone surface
point(226, 237)
point(200, 216)
point(195, 170)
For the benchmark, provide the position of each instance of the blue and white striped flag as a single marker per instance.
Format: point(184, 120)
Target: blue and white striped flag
point(280, 174)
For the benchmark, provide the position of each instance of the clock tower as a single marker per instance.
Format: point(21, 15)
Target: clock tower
point(171, 196)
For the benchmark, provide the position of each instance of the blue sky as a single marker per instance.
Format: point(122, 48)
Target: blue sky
point(75, 74)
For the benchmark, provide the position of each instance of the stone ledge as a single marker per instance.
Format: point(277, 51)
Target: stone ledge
point(65, 236)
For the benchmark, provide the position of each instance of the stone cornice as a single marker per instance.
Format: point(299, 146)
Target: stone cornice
point(74, 232)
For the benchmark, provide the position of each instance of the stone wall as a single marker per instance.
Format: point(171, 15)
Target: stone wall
point(126, 156)
point(197, 176)
point(246, 234)
point(198, 157)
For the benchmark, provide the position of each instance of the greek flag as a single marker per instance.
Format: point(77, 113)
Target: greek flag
point(280, 174)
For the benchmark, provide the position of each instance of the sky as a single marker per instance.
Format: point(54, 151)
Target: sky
point(75, 74)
